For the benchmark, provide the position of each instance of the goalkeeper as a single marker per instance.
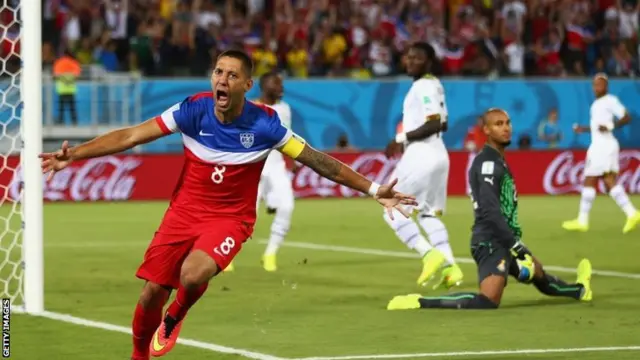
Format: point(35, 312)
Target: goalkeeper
point(495, 240)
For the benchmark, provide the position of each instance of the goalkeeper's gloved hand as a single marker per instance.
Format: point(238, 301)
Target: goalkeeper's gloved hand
point(518, 250)
point(526, 269)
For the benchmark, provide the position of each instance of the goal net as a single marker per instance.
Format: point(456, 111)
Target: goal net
point(20, 142)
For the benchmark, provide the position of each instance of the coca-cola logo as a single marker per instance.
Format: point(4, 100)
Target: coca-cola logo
point(565, 175)
point(375, 166)
point(106, 178)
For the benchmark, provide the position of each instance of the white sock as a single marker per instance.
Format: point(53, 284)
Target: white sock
point(620, 197)
point(586, 201)
point(279, 229)
point(408, 232)
point(438, 236)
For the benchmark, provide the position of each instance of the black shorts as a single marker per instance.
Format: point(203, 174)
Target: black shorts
point(493, 259)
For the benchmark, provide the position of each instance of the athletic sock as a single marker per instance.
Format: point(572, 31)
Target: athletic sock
point(586, 201)
point(279, 229)
point(466, 300)
point(553, 286)
point(185, 298)
point(438, 236)
point(408, 232)
point(618, 194)
point(145, 322)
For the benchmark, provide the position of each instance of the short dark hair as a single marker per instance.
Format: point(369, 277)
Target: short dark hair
point(435, 67)
point(426, 47)
point(247, 63)
point(266, 77)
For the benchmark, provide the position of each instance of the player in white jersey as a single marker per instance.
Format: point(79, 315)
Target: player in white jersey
point(603, 157)
point(423, 170)
point(276, 189)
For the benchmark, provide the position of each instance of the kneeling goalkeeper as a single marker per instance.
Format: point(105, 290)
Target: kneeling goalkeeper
point(495, 241)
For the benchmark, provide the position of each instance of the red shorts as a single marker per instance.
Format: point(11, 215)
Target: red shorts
point(166, 253)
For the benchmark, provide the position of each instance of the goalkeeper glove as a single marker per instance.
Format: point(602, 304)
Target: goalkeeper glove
point(518, 250)
point(526, 269)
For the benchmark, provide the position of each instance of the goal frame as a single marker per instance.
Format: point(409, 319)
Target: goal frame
point(31, 132)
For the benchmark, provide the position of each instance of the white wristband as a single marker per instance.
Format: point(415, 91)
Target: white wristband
point(401, 137)
point(373, 189)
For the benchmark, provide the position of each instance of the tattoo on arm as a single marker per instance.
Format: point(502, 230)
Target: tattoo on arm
point(320, 162)
point(332, 169)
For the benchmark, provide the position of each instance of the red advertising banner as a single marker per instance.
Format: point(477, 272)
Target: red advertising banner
point(153, 177)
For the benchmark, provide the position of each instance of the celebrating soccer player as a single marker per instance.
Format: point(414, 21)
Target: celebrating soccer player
point(213, 208)
point(424, 169)
point(496, 234)
point(603, 157)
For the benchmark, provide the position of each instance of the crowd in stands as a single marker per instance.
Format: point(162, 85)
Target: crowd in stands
point(347, 38)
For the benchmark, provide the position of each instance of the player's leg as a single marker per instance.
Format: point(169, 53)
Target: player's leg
point(429, 220)
point(281, 199)
point(147, 318)
point(619, 195)
point(161, 270)
point(211, 253)
point(409, 233)
point(492, 274)
point(553, 286)
point(595, 167)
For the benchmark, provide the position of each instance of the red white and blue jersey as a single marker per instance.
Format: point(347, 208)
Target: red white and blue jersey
point(223, 162)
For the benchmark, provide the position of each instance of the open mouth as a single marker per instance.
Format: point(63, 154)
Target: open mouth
point(222, 97)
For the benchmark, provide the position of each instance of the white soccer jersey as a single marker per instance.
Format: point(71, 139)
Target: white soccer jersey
point(604, 111)
point(284, 112)
point(275, 159)
point(424, 99)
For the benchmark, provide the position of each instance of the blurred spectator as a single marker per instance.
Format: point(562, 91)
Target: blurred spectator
point(549, 131)
point(298, 59)
point(524, 142)
point(84, 53)
point(475, 139)
point(66, 71)
point(358, 38)
point(343, 145)
point(264, 58)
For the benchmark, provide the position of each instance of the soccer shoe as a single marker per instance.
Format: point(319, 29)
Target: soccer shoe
point(451, 276)
point(165, 337)
point(575, 225)
point(632, 222)
point(405, 302)
point(269, 263)
point(584, 278)
point(229, 267)
point(431, 263)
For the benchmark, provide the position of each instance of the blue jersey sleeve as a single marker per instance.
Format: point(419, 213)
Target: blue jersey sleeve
point(181, 117)
point(275, 134)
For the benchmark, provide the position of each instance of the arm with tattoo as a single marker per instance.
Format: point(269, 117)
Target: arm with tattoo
point(334, 170)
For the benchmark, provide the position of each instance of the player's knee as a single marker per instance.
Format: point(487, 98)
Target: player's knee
point(492, 288)
point(153, 295)
point(197, 269)
point(398, 221)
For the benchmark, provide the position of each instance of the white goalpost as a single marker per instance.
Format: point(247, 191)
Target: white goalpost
point(21, 265)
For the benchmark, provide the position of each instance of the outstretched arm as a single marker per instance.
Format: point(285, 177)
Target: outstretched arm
point(334, 170)
point(118, 140)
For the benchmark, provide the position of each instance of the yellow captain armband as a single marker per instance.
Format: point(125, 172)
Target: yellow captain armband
point(293, 147)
